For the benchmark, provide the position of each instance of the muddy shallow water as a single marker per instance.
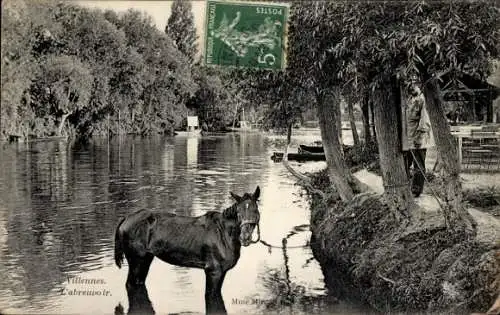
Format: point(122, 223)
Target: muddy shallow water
point(59, 206)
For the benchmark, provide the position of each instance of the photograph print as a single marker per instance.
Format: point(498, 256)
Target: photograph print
point(250, 157)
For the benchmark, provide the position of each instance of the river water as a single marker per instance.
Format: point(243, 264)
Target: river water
point(60, 204)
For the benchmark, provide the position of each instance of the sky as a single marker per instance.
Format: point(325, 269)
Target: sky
point(159, 10)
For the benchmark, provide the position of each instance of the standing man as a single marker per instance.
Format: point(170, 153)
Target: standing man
point(418, 138)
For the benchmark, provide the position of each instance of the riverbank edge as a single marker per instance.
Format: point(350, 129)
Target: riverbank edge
point(35, 138)
point(365, 257)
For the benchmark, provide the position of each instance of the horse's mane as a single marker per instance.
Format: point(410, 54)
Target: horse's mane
point(231, 212)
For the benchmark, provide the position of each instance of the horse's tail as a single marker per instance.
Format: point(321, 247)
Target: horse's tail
point(119, 245)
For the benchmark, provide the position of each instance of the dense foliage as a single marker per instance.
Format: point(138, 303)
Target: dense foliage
point(356, 47)
point(180, 27)
point(216, 101)
point(359, 50)
point(105, 72)
point(280, 100)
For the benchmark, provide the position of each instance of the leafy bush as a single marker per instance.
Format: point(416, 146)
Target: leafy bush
point(485, 198)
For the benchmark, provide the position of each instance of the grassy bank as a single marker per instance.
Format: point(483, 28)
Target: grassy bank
point(366, 256)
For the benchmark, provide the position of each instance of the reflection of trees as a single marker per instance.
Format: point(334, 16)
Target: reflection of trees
point(48, 168)
point(177, 196)
point(222, 166)
point(79, 192)
point(286, 296)
point(37, 176)
point(238, 157)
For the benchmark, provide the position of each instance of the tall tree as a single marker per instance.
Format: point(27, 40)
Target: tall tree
point(313, 34)
point(452, 38)
point(64, 83)
point(365, 110)
point(352, 95)
point(387, 125)
point(378, 72)
point(217, 102)
point(180, 27)
point(23, 25)
point(90, 36)
point(310, 74)
point(153, 80)
point(425, 40)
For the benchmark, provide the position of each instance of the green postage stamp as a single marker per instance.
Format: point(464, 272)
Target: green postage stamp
point(246, 34)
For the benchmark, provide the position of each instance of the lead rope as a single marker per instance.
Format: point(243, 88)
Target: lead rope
point(425, 178)
point(269, 246)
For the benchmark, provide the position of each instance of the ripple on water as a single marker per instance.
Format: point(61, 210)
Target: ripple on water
point(81, 193)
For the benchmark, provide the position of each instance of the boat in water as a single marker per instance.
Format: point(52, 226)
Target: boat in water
point(299, 157)
point(311, 149)
point(194, 133)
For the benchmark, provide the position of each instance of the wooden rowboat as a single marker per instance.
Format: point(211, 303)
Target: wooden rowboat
point(311, 149)
point(299, 157)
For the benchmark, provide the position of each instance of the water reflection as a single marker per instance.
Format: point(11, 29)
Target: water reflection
point(138, 301)
point(286, 296)
point(192, 152)
point(60, 204)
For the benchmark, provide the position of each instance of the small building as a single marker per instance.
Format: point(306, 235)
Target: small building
point(192, 123)
point(469, 99)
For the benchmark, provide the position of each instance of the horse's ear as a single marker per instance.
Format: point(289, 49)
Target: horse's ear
point(256, 194)
point(236, 197)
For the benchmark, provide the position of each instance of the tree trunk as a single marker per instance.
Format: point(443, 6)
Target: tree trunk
point(1, 121)
point(366, 118)
point(370, 106)
point(352, 121)
point(338, 171)
point(331, 100)
point(61, 124)
point(388, 131)
point(289, 134)
point(456, 216)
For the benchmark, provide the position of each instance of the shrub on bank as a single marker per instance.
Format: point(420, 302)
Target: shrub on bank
point(485, 198)
point(363, 156)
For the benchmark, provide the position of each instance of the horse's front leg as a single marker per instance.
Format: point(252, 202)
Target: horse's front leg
point(214, 304)
point(138, 298)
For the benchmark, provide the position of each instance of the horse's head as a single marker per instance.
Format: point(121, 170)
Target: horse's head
point(248, 216)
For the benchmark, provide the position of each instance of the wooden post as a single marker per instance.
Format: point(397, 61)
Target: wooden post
point(460, 150)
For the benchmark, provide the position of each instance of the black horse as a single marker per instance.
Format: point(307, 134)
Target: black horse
point(211, 242)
